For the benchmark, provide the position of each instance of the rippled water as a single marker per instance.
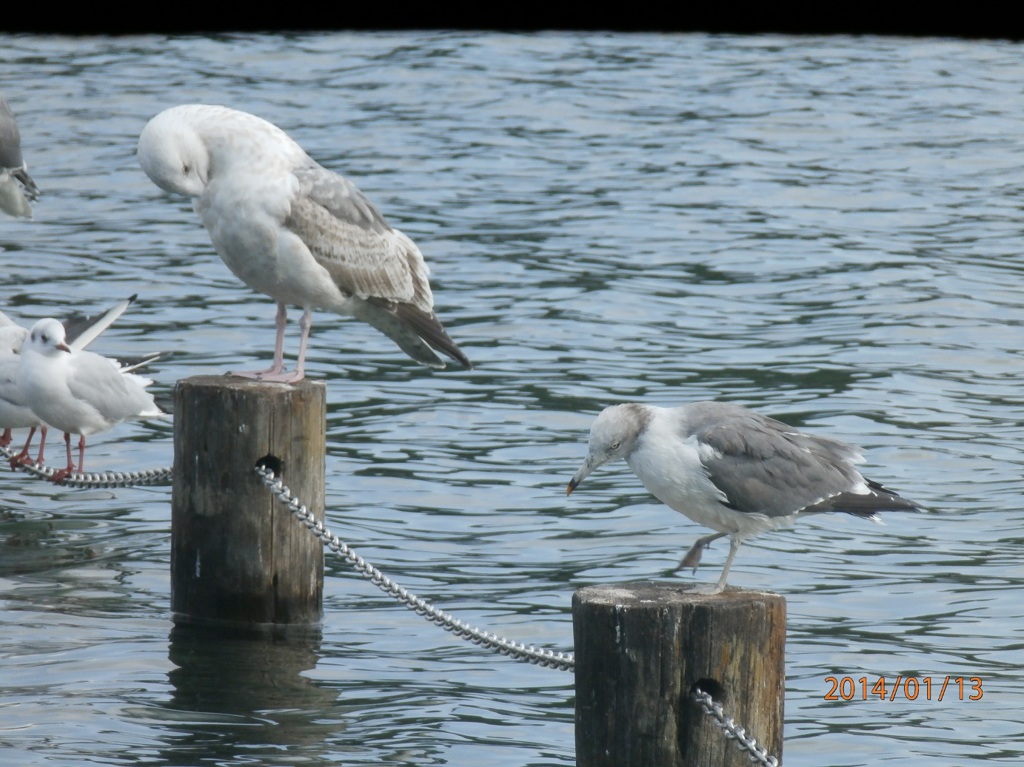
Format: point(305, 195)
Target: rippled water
point(827, 230)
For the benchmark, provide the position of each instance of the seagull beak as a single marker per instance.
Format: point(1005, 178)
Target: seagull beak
point(579, 476)
point(64, 347)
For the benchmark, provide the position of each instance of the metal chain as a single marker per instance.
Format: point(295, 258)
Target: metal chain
point(515, 650)
point(94, 479)
point(732, 730)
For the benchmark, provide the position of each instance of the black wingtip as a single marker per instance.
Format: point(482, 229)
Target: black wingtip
point(867, 505)
point(428, 327)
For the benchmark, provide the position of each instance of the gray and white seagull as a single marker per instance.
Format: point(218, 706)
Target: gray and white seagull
point(290, 228)
point(734, 470)
point(17, 189)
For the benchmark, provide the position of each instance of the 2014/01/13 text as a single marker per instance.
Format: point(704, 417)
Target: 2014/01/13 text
point(911, 688)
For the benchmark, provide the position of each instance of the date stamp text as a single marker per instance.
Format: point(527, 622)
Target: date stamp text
point(910, 688)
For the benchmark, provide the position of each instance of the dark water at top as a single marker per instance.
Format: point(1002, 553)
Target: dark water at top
point(825, 229)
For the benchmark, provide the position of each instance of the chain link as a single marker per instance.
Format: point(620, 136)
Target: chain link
point(94, 479)
point(732, 730)
point(515, 650)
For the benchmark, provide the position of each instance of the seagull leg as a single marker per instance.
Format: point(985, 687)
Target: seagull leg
point(734, 546)
point(692, 557)
point(61, 474)
point(304, 325)
point(281, 322)
point(42, 444)
point(276, 371)
point(17, 459)
point(22, 458)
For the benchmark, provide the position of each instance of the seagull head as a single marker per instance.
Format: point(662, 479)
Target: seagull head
point(47, 337)
point(173, 154)
point(613, 435)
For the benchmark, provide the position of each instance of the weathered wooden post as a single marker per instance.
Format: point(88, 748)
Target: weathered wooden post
point(641, 648)
point(238, 557)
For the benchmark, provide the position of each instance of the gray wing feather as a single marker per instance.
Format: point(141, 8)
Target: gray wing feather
point(11, 157)
point(765, 466)
point(376, 265)
point(98, 381)
point(350, 238)
point(340, 197)
point(10, 138)
point(83, 330)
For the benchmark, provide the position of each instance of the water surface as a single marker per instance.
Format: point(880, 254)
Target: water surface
point(825, 229)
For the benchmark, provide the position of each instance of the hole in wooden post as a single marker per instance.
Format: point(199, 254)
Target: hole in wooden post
point(271, 462)
point(711, 687)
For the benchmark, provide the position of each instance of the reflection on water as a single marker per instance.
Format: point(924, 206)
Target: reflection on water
point(233, 692)
point(826, 230)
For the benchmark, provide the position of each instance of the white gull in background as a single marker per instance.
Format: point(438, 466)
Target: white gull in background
point(14, 413)
point(294, 230)
point(78, 392)
point(14, 410)
point(17, 189)
point(733, 470)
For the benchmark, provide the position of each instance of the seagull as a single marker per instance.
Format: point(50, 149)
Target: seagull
point(14, 413)
point(292, 229)
point(734, 470)
point(17, 189)
point(14, 410)
point(78, 392)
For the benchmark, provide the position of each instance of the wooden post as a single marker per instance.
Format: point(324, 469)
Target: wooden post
point(641, 648)
point(238, 556)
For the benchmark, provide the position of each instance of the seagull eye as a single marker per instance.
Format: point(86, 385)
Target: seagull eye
point(616, 445)
point(186, 169)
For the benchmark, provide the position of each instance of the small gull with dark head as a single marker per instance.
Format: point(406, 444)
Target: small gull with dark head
point(14, 410)
point(78, 392)
point(294, 230)
point(734, 470)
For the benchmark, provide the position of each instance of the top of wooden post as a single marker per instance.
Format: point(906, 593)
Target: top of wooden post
point(645, 592)
point(228, 381)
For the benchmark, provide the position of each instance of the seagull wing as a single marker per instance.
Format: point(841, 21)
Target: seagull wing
point(10, 138)
point(99, 383)
point(379, 267)
point(766, 467)
point(82, 331)
point(349, 237)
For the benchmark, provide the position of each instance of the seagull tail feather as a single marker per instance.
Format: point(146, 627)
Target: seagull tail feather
point(866, 505)
point(416, 332)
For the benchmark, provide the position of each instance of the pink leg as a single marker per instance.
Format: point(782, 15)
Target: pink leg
point(42, 444)
point(276, 372)
point(304, 325)
point(22, 457)
point(5, 438)
point(281, 322)
point(62, 474)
